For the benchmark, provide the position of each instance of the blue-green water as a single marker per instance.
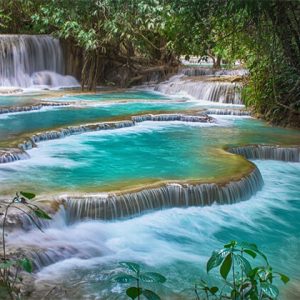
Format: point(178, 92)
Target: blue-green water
point(177, 242)
point(150, 151)
point(123, 95)
point(20, 123)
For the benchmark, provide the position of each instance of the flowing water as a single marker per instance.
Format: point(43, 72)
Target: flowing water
point(175, 242)
point(124, 179)
point(27, 61)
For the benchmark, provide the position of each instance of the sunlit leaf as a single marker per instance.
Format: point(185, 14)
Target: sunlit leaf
point(124, 278)
point(152, 277)
point(131, 266)
point(27, 195)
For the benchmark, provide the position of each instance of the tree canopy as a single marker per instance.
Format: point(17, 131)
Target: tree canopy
point(136, 34)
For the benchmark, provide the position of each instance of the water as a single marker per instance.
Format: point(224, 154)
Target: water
point(53, 117)
point(107, 160)
point(181, 240)
point(80, 257)
point(32, 60)
point(200, 89)
point(123, 95)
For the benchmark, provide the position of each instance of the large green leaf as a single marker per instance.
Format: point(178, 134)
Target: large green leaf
point(150, 295)
point(244, 264)
point(226, 266)
point(124, 278)
point(133, 292)
point(26, 264)
point(215, 260)
point(152, 277)
point(27, 195)
point(131, 266)
point(270, 290)
point(42, 214)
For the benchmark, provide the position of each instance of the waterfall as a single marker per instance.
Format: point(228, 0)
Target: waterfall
point(112, 206)
point(291, 154)
point(30, 60)
point(172, 117)
point(13, 154)
point(223, 92)
point(200, 71)
point(16, 109)
point(228, 112)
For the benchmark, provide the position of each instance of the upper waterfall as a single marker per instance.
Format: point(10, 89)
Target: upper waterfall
point(32, 60)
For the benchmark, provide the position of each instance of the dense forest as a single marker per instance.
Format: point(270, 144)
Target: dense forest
point(124, 41)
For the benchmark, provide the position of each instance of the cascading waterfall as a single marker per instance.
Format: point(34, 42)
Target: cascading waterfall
point(16, 109)
point(30, 60)
point(223, 92)
point(13, 154)
point(228, 112)
point(111, 206)
point(291, 154)
point(200, 71)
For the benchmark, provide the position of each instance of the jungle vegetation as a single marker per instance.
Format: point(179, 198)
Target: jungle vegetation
point(124, 41)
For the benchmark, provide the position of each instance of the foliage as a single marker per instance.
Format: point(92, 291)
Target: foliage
point(11, 267)
point(248, 282)
point(134, 274)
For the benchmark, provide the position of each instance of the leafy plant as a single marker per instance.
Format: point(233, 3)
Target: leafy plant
point(9, 267)
point(253, 283)
point(134, 274)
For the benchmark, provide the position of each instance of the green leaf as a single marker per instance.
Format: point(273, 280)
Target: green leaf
point(124, 278)
point(42, 214)
point(244, 264)
point(283, 278)
point(150, 295)
point(152, 277)
point(27, 195)
point(131, 266)
point(231, 244)
point(215, 260)
point(213, 290)
point(250, 252)
point(226, 266)
point(270, 290)
point(26, 264)
point(133, 292)
point(7, 264)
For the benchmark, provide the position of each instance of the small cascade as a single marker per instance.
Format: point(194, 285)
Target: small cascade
point(11, 155)
point(223, 92)
point(198, 71)
point(58, 134)
point(172, 117)
point(33, 107)
point(201, 71)
point(228, 112)
point(45, 257)
point(112, 206)
point(30, 60)
point(291, 154)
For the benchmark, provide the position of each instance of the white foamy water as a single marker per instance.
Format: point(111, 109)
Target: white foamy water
point(175, 239)
point(32, 62)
